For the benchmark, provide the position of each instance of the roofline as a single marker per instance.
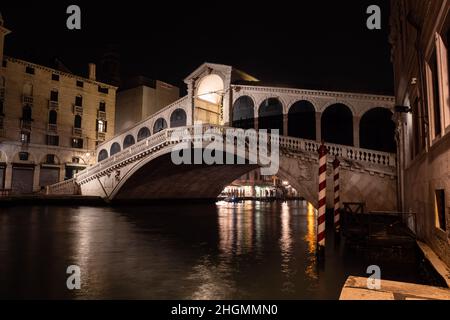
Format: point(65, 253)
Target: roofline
point(71, 75)
point(355, 95)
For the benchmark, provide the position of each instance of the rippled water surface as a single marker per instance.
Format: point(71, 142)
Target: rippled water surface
point(251, 250)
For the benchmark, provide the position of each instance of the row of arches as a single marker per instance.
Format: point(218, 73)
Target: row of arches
point(376, 128)
point(178, 118)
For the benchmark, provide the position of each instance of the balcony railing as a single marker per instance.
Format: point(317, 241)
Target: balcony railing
point(53, 105)
point(101, 136)
point(52, 128)
point(77, 132)
point(101, 115)
point(77, 109)
point(26, 99)
point(25, 124)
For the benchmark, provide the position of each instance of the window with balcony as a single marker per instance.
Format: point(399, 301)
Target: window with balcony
point(54, 96)
point(101, 126)
point(52, 117)
point(25, 137)
point(77, 143)
point(52, 140)
point(77, 122)
point(102, 106)
point(79, 101)
point(26, 113)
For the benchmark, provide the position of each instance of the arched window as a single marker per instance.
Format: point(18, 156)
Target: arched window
point(128, 141)
point(302, 120)
point(143, 133)
point(77, 122)
point(178, 118)
point(115, 148)
point(26, 113)
point(270, 115)
point(337, 125)
point(243, 113)
point(160, 124)
point(102, 155)
point(52, 117)
point(377, 130)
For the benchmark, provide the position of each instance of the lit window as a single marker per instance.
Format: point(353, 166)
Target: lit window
point(101, 126)
point(25, 137)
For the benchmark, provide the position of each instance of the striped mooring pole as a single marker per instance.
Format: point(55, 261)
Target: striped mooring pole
point(322, 198)
point(337, 200)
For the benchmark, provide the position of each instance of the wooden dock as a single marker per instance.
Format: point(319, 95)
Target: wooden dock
point(356, 288)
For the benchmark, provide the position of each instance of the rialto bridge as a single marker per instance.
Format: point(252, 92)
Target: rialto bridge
point(357, 128)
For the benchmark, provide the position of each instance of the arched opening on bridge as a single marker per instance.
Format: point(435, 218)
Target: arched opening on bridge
point(160, 124)
point(178, 118)
point(102, 155)
point(270, 115)
point(377, 130)
point(253, 185)
point(143, 133)
point(302, 120)
point(128, 141)
point(243, 113)
point(208, 99)
point(115, 148)
point(337, 125)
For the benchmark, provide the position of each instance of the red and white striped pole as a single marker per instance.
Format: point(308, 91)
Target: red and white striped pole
point(322, 198)
point(337, 200)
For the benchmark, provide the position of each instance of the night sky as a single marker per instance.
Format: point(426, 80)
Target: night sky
point(323, 44)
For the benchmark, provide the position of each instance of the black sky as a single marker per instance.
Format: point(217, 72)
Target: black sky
point(311, 44)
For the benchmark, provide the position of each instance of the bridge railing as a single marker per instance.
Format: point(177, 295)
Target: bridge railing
point(65, 187)
point(344, 152)
point(143, 145)
point(147, 121)
point(289, 143)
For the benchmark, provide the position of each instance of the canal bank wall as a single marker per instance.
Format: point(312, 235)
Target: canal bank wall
point(40, 200)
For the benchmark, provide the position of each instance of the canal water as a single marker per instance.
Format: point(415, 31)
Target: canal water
point(251, 250)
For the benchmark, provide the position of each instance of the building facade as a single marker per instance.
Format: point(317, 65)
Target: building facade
point(420, 38)
point(139, 98)
point(50, 122)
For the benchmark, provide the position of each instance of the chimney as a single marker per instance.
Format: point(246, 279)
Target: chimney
point(92, 68)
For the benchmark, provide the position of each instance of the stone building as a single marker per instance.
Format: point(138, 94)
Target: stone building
point(139, 98)
point(420, 54)
point(50, 122)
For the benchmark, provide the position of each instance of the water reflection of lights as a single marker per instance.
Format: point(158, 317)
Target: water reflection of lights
point(310, 270)
point(286, 244)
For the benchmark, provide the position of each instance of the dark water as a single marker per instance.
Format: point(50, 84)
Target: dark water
point(223, 251)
